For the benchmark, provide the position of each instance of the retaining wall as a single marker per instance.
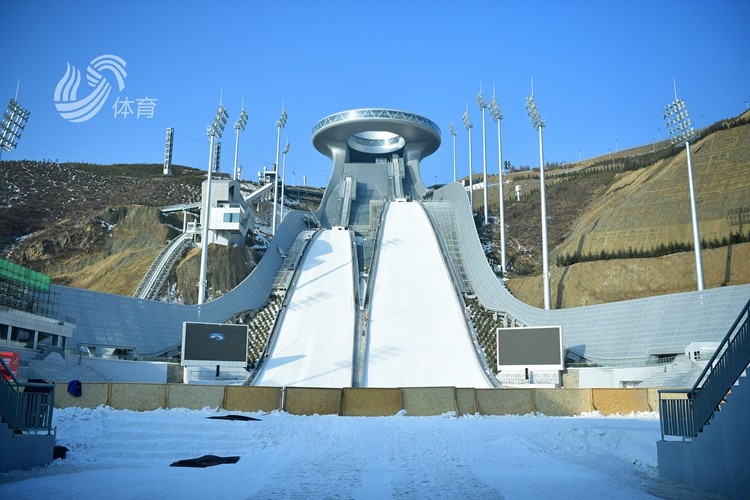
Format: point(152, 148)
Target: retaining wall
point(415, 401)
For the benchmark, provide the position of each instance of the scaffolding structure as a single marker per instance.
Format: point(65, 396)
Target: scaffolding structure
point(26, 290)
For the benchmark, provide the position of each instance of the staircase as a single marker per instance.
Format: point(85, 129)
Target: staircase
point(27, 438)
point(705, 432)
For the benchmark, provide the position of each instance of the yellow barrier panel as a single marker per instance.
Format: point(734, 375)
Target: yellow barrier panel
point(620, 401)
point(251, 399)
point(466, 401)
point(504, 401)
point(360, 402)
point(195, 397)
point(311, 401)
point(562, 402)
point(138, 397)
point(424, 401)
point(93, 394)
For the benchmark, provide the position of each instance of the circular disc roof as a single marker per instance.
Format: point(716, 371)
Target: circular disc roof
point(376, 131)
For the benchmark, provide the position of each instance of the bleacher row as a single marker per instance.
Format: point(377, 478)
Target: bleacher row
point(260, 323)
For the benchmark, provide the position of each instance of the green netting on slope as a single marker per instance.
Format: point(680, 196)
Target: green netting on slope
point(24, 276)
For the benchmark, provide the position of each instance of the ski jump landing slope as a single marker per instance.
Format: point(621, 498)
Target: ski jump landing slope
point(314, 346)
point(417, 335)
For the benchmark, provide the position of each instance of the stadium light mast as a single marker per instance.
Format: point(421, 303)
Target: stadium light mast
point(13, 122)
point(538, 123)
point(680, 130)
point(498, 116)
point(280, 123)
point(214, 131)
point(453, 134)
point(469, 126)
point(283, 176)
point(239, 126)
point(482, 106)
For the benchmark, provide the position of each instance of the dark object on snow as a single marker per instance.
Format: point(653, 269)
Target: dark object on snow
point(74, 388)
point(235, 417)
point(205, 461)
point(59, 452)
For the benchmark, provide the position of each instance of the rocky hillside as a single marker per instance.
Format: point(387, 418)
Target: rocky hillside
point(620, 227)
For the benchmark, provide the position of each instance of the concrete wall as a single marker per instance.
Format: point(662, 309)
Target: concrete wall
point(115, 369)
point(416, 401)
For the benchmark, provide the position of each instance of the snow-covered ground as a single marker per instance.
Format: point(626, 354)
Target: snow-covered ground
point(117, 454)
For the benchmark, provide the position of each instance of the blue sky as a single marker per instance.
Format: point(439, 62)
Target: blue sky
point(602, 73)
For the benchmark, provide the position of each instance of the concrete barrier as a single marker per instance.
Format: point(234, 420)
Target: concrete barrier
point(424, 401)
point(138, 397)
point(504, 401)
point(312, 400)
point(93, 394)
point(653, 399)
point(195, 397)
point(361, 402)
point(250, 399)
point(466, 401)
point(562, 402)
point(620, 401)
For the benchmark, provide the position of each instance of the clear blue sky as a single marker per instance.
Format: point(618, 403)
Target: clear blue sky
point(602, 73)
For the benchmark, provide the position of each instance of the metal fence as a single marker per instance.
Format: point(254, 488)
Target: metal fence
point(683, 413)
point(26, 406)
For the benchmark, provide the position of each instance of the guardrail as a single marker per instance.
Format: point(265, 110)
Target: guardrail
point(161, 267)
point(26, 406)
point(683, 413)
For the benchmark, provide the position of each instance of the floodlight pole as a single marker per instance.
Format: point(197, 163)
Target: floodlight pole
point(239, 126)
point(283, 176)
point(538, 123)
point(214, 131)
point(482, 106)
point(453, 134)
point(469, 126)
point(498, 116)
point(680, 130)
point(280, 123)
point(13, 122)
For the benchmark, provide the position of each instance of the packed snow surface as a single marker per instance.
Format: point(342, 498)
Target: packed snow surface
point(417, 334)
point(120, 454)
point(314, 346)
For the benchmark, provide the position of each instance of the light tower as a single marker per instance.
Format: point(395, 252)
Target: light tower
point(168, 152)
point(13, 123)
point(498, 116)
point(280, 123)
point(482, 106)
point(681, 131)
point(538, 123)
point(217, 156)
point(469, 126)
point(453, 134)
point(283, 176)
point(239, 126)
point(214, 131)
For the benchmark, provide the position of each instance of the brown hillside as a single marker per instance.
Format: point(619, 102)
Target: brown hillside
point(623, 203)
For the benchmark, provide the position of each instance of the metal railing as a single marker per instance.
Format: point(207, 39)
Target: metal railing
point(683, 413)
point(161, 267)
point(26, 406)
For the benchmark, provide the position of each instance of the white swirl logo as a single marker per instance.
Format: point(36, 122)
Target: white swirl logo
point(66, 93)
